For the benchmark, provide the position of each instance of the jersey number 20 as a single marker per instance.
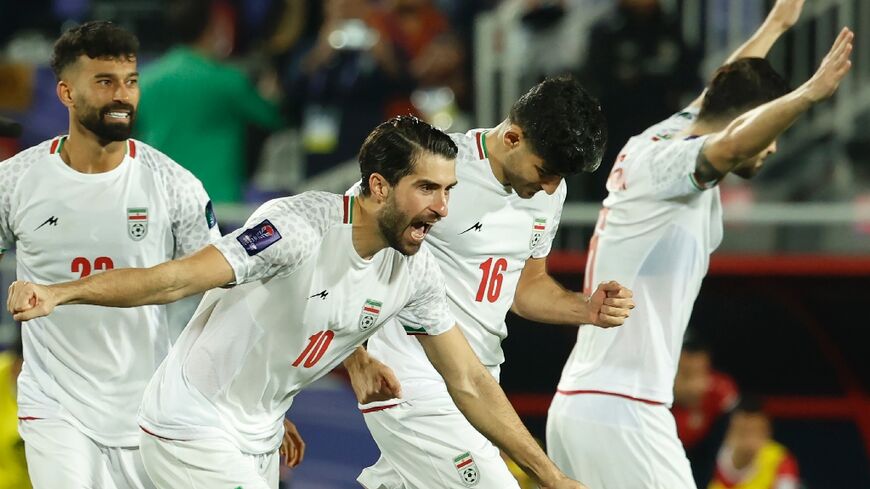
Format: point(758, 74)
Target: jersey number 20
point(82, 265)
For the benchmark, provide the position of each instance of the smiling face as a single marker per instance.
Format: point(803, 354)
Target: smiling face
point(102, 95)
point(417, 202)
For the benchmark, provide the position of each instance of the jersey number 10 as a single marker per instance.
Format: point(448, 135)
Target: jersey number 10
point(317, 345)
point(490, 283)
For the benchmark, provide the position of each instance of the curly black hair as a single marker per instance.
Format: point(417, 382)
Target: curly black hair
point(740, 86)
point(393, 147)
point(96, 39)
point(564, 125)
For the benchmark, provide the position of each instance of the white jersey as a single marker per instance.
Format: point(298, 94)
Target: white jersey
point(481, 246)
point(87, 364)
point(654, 236)
point(304, 300)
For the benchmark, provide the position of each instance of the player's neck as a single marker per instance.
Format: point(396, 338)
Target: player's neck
point(84, 153)
point(367, 237)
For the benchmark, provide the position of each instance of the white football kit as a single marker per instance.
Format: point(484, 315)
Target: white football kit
point(303, 300)
point(85, 367)
point(609, 424)
point(481, 246)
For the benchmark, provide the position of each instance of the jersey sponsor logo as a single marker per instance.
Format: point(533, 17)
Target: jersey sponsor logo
point(259, 237)
point(476, 226)
point(137, 223)
point(369, 315)
point(538, 228)
point(210, 218)
point(51, 221)
point(322, 294)
point(468, 473)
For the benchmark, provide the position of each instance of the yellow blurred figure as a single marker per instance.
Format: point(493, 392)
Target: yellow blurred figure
point(13, 468)
point(522, 478)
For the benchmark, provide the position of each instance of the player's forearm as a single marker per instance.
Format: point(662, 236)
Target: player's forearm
point(752, 132)
point(124, 287)
point(485, 406)
point(761, 41)
point(357, 360)
point(544, 300)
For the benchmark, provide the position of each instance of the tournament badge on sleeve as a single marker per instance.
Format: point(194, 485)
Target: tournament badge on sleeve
point(537, 231)
point(468, 473)
point(137, 223)
point(370, 311)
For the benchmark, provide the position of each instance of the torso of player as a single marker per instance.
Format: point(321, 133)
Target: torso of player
point(70, 225)
point(250, 349)
point(481, 246)
point(654, 235)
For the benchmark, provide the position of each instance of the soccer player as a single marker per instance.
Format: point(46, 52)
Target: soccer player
point(492, 250)
point(78, 205)
point(609, 423)
point(312, 277)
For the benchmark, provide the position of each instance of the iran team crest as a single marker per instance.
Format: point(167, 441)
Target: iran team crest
point(369, 315)
point(468, 473)
point(538, 229)
point(137, 223)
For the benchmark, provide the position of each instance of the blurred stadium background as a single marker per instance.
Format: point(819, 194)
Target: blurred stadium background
point(784, 308)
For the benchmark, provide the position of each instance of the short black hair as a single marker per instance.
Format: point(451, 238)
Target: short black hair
point(740, 86)
point(95, 39)
point(393, 147)
point(188, 19)
point(563, 124)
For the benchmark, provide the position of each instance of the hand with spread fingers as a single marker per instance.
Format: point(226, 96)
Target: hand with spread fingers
point(609, 305)
point(26, 300)
point(832, 70)
point(292, 446)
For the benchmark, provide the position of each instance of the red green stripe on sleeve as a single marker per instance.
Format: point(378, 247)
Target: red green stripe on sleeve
point(348, 209)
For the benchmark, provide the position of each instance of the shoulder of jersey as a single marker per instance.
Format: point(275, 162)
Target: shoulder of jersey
point(466, 145)
point(320, 210)
point(12, 169)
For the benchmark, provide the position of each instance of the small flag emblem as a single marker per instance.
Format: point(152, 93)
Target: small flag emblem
point(369, 315)
point(468, 473)
point(538, 228)
point(137, 223)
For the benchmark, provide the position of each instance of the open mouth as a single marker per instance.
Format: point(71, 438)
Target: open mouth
point(118, 115)
point(420, 229)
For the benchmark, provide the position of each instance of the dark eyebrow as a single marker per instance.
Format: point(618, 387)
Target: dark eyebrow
point(112, 75)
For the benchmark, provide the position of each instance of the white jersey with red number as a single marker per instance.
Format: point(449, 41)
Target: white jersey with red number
point(654, 236)
point(86, 364)
point(304, 300)
point(481, 246)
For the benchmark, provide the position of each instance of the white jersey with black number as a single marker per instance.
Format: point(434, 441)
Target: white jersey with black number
point(481, 246)
point(304, 300)
point(654, 236)
point(86, 364)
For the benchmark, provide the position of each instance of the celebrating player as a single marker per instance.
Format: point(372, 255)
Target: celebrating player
point(314, 276)
point(609, 424)
point(492, 249)
point(74, 206)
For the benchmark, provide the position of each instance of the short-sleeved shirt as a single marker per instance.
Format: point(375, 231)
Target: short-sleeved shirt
point(86, 364)
point(303, 301)
point(481, 246)
point(654, 235)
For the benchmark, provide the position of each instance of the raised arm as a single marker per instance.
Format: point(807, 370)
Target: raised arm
point(540, 298)
point(481, 400)
point(125, 287)
point(752, 132)
point(782, 17)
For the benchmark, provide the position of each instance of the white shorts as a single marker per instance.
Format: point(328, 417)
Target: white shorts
point(608, 442)
point(59, 455)
point(428, 443)
point(206, 464)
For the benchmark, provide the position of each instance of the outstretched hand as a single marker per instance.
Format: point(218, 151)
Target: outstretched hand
point(26, 300)
point(373, 381)
point(833, 68)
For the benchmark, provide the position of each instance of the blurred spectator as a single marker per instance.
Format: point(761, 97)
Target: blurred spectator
point(702, 399)
point(641, 68)
point(196, 108)
point(13, 469)
point(749, 458)
point(339, 82)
